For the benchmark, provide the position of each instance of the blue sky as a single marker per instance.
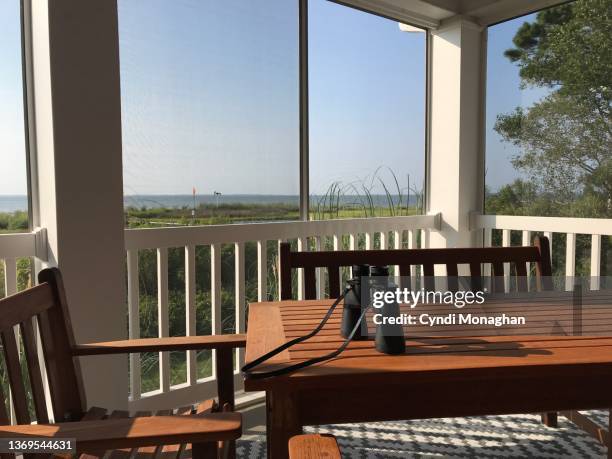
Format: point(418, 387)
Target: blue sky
point(12, 134)
point(210, 97)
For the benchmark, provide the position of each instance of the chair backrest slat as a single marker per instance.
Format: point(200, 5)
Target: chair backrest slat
point(405, 276)
point(498, 276)
point(310, 283)
point(284, 256)
point(57, 340)
point(429, 273)
point(13, 367)
point(428, 258)
point(334, 281)
point(521, 277)
point(34, 371)
point(4, 418)
point(475, 276)
point(451, 274)
point(26, 304)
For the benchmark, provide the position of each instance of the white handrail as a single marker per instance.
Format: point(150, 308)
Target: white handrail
point(21, 245)
point(600, 226)
point(150, 238)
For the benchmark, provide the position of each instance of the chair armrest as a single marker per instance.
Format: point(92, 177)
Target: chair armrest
point(313, 445)
point(135, 432)
point(175, 343)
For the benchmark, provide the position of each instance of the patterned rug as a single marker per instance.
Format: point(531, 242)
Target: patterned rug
point(515, 436)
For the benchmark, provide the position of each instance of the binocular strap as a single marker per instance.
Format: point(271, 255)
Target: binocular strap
point(247, 370)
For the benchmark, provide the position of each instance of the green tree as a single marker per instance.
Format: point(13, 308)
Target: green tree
point(565, 138)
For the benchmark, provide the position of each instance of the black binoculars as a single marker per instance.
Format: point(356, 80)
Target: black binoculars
point(367, 279)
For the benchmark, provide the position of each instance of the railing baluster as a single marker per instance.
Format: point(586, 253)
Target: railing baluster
point(302, 245)
point(337, 245)
point(239, 278)
point(526, 238)
point(369, 240)
point(320, 276)
point(570, 260)
point(162, 316)
point(526, 241)
point(595, 261)
point(397, 239)
point(352, 239)
point(549, 235)
point(397, 244)
point(190, 310)
point(487, 242)
point(133, 320)
point(383, 240)
point(413, 244)
point(215, 295)
point(10, 276)
point(506, 242)
point(486, 269)
point(262, 270)
point(412, 239)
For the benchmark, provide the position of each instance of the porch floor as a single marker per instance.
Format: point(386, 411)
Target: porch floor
point(518, 436)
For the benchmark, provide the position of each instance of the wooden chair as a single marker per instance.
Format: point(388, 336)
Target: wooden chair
point(203, 430)
point(410, 259)
point(314, 446)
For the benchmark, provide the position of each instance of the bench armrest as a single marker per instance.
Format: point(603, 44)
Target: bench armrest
point(136, 432)
point(175, 343)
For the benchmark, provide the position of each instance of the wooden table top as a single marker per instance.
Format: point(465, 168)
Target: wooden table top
point(430, 358)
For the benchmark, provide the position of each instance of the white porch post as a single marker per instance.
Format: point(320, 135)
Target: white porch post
point(456, 156)
point(75, 121)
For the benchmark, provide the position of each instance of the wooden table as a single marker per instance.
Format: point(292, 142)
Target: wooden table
point(437, 377)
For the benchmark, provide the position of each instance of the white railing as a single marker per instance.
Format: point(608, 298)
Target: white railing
point(345, 234)
point(14, 246)
point(388, 232)
point(595, 227)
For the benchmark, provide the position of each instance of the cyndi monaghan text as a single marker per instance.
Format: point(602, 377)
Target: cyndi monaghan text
point(448, 319)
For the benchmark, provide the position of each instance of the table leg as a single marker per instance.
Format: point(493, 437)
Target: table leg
point(282, 422)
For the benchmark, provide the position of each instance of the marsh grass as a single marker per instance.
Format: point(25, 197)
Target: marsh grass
point(360, 198)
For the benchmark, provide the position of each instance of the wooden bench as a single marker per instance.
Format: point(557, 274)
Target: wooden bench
point(207, 430)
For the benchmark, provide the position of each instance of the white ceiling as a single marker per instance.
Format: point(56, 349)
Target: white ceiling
point(433, 13)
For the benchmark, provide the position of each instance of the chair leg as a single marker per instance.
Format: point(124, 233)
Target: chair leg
point(227, 449)
point(206, 450)
point(610, 434)
point(550, 419)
